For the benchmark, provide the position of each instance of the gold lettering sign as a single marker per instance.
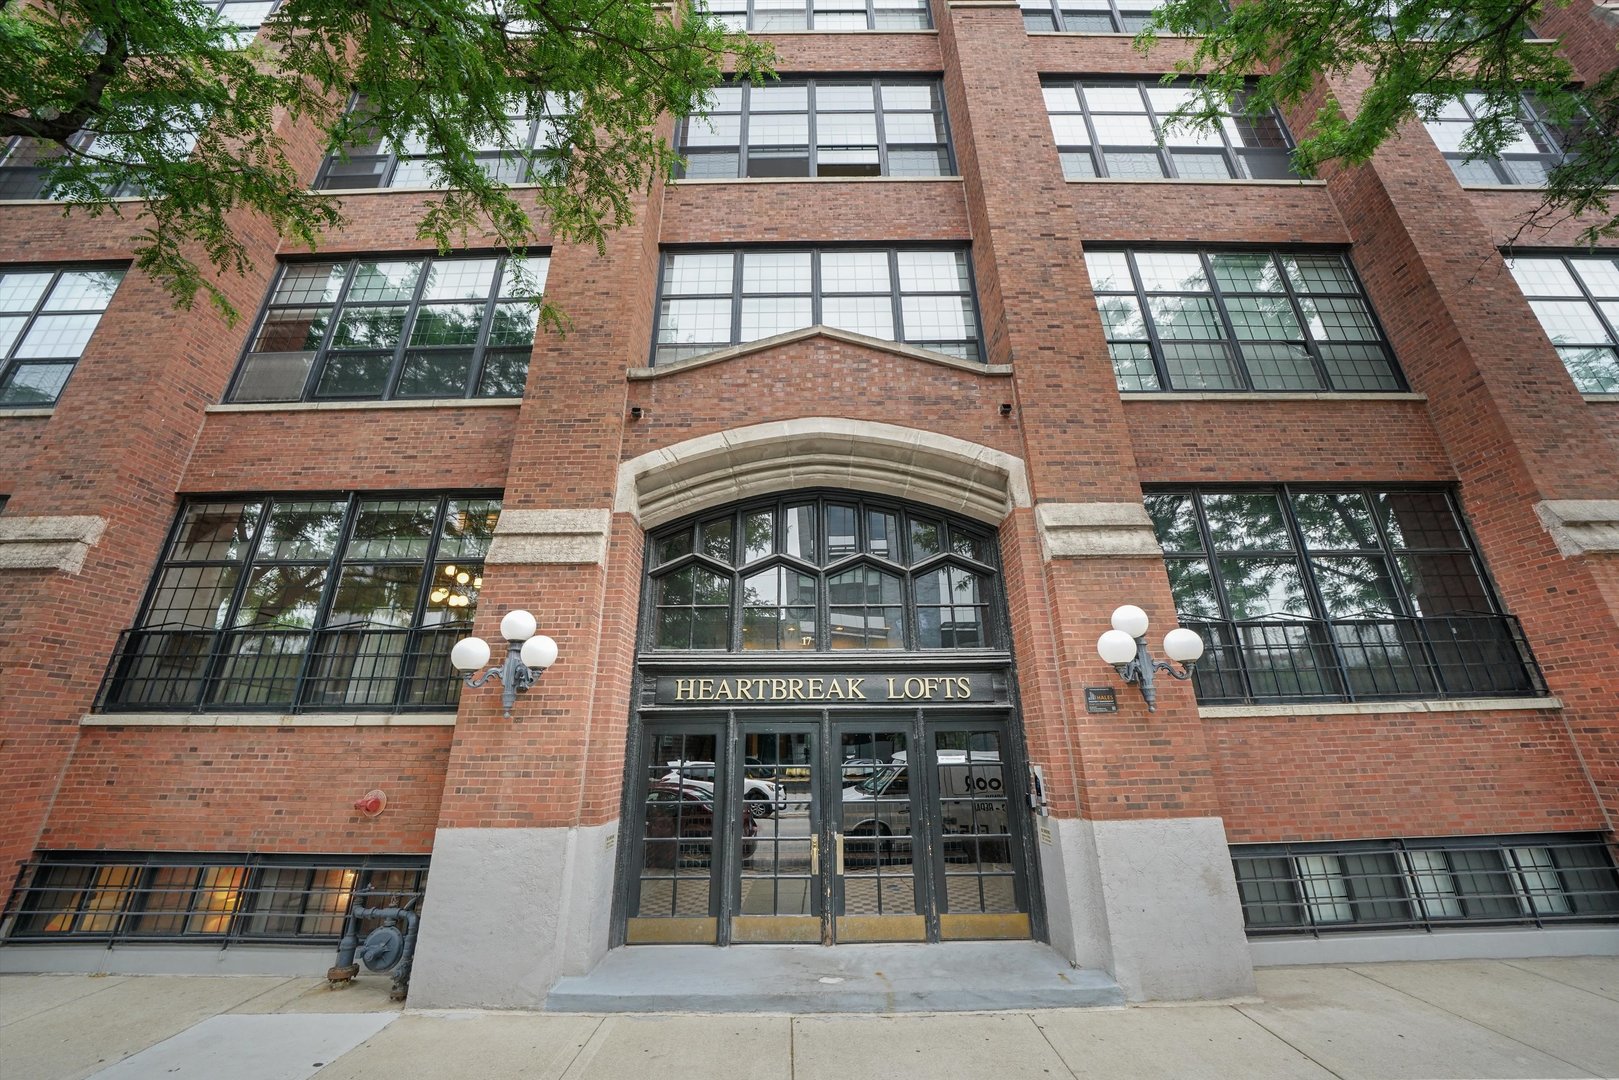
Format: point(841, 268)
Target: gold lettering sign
point(841, 688)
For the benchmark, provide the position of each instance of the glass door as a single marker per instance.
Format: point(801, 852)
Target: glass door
point(876, 891)
point(674, 896)
point(780, 893)
point(981, 883)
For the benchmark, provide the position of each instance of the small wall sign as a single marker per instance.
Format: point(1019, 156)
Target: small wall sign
point(1101, 699)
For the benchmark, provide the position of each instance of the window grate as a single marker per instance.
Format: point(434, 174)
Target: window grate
point(1425, 884)
point(201, 899)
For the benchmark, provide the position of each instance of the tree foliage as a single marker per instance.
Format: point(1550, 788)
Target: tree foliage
point(158, 98)
point(1416, 56)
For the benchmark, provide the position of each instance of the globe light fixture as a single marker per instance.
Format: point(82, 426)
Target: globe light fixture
point(1125, 647)
point(527, 656)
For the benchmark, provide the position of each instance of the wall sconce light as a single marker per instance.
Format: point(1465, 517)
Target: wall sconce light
point(1125, 647)
point(527, 656)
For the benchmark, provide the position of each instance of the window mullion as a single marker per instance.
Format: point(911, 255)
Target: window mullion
point(1311, 346)
point(350, 272)
point(222, 634)
point(1239, 360)
point(1090, 129)
point(480, 346)
point(323, 609)
point(407, 327)
point(880, 126)
point(1312, 591)
point(1166, 160)
point(1154, 345)
point(894, 290)
point(742, 128)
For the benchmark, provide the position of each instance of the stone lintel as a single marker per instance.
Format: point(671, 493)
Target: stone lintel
point(48, 542)
point(550, 536)
point(1581, 526)
point(1095, 530)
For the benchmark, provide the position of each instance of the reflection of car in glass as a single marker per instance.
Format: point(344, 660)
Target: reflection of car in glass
point(680, 825)
point(768, 797)
point(972, 800)
point(854, 769)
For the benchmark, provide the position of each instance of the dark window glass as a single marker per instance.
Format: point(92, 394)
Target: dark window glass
point(307, 604)
point(1238, 320)
point(1577, 301)
point(378, 329)
point(823, 574)
point(1335, 595)
point(1387, 884)
point(1088, 16)
point(819, 127)
point(713, 299)
point(1536, 149)
point(764, 16)
point(46, 319)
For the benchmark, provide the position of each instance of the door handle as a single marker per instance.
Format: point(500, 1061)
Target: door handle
point(815, 855)
point(840, 854)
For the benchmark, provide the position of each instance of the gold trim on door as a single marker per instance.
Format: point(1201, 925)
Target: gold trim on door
point(983, 927)
point(882, 928)
point(678, 931)
point(785, 929)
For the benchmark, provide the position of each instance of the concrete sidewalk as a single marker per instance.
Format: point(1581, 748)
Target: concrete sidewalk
point(1483, 1018)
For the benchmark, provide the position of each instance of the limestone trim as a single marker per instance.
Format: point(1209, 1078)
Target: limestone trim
point(274, 720)
point(48, 542)
point(1190, 181)
point(1581, 526)
point(27, 414)
point(1602, 399)
point(1365, 708)
point(1095, 531)
point(747, 348)
point(550, 536)
point(951, 474)
point(351, 406)
point(1169, 397)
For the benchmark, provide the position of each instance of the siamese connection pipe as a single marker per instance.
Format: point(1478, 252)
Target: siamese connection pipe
point(351, 951)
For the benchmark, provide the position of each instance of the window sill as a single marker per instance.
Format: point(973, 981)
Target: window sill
point(1594, 399)
point(1281, 395)
point(698, 180)
point(36, 414)
point(841, 33)
point(268, 719)
point(350, 406)
point(1125, 35)
point(1195, 183)
point(1364, 708)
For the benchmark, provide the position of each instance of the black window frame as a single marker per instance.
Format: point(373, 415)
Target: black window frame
point(1238, 362)
point(1238, 159)
point(812, 149)
point(896, 294)
point(983, 561)
point(536, 162)
point(1534, 124)
point(1125, 17)
point(413, 307)
point(10, 363)
point(112, 911)
point(211, 685)
point(1599, 382)
point(748, 22)
point(1280, 896)
point(1317, 656)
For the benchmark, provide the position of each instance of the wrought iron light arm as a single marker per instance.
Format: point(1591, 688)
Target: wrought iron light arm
point(1125, 647)
point(528, 655)
point(1140, 671)
point(514, 676)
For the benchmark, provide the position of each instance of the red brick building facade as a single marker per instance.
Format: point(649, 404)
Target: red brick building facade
point(1446, 771)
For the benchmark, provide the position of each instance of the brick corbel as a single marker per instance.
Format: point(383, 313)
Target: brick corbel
point(1581, 526)
point(550, 536)
point(48, 542)
point(1095, 531)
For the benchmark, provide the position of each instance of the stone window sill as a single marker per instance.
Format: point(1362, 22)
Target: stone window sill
point(1364, 708)
point(1325, 395)
point(1602, 399)
point(33, 414)
point(348, 406)
point(1194, 183)
point(696, 180)
point(266, 719)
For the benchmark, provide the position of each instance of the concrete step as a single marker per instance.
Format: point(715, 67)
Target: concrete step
point(948, 977)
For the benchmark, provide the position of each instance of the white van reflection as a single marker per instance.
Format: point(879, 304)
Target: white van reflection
point(972, 801)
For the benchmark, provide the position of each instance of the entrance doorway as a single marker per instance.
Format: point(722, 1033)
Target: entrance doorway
point(828, 827)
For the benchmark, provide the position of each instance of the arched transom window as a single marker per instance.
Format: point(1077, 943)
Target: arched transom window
point(804, 574)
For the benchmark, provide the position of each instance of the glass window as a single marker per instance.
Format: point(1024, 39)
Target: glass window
point(764, 16)
point(713, 299)
point(1536, 148)
point(1119, 129)
point(382, 329)
point(1576, 299)
point(1088, 16)
point(1238, 320)
point(308, 603)
point(46, 319)
point(1348, 594)
point(1387, 884)
point(823, 574)
point(530, 149)
point(819, 127)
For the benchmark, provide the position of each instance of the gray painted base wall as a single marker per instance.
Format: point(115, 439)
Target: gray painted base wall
point(1493, 943)
point(91, 959)
point(510, 911)
point(1153, 901)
